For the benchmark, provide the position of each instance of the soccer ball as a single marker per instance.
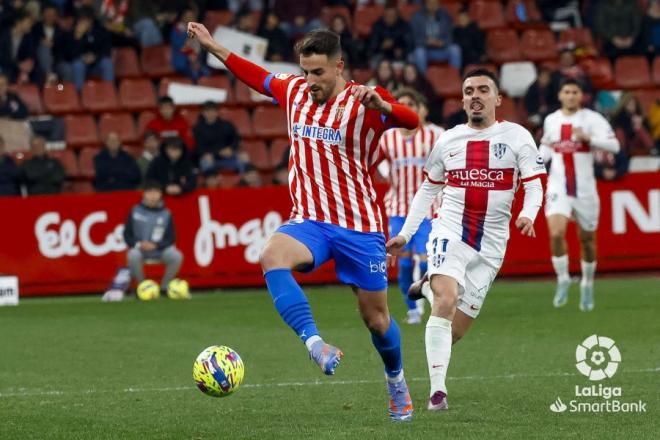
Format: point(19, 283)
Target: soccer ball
point(178, 289)
point(148, 290)
point(218, 371)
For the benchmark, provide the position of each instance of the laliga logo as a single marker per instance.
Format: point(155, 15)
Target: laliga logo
point(597, 357)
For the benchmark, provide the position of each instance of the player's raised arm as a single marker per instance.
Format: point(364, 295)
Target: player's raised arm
point(398, 115)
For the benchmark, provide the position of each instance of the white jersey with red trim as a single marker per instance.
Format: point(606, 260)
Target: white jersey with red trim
point(406, 157)
point(334, 146)
point(572, 161)
point(481, 170)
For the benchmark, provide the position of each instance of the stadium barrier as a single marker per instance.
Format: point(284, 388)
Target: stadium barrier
point(73, 243)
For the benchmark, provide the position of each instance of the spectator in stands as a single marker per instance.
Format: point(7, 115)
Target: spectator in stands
point(172, 168)
point(631, 127)
point(169, 122)
point(143, 17)
point(279, 46)
point(42, 174)
point(281, 175)
point(251, 178)
point(245, 22)
point(339, 25)
point(216, 143)
point(115, 169)
point(149, 234)
point(298, 17)
point(86, 51)
point(385, 77)
point(48, 35)
point(469, 38)
point(18, 50)
point(9, 173)
point(540, 98)
point(651, 28)
point(391, 37)
point(569, 68)
point(187, 55)
point(11, 105)
point(150, 149)
point(618, 23)
point(433, 32)
point(654, 123)
point(609, 166)
point(411, 78)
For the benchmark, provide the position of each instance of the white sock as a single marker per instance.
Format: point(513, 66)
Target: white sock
point(561, 268)
point(311, 340)
point(588, 271)
point(420, 306)
point(428, 293)
point(438, 351)
point(396, 379)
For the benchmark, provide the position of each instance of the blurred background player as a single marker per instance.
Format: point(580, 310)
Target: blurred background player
point(569, 136)
point(335, 213)
point(404, 154)
point(149, 235)
point(476, 166)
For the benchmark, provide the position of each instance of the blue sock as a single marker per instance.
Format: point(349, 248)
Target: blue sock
point(291, 303)
point(406, 279)
point(389, 347)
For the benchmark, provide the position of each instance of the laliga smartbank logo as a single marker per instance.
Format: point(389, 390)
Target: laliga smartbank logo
point(597, 358)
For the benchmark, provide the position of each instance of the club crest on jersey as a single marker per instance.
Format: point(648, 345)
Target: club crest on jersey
point(315, 132)
point(499, 150)
point(340, 113)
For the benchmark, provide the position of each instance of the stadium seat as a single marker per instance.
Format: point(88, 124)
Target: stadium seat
point(30, 95)
point(244, 96)
point(329, 12)
point(502, 45)
point(137, 94)
point(191, 115)
point(143, 120)
point(157, 61)
point(408, 10)
point(99, 96)
point(240, 118)
point(632, 72)
point(362, 76)
point(647, 98)
point(219, 82)
point(86, 162)
point(453, 7)
point(534, 18)
point(165, 83)
point(487, 13)
point(489, 66)
point(269, 122)
point(213, 19)
point(121, 123)
point(656, 70)
point(508, 111)
point(278, 148)
point(79, 187)
point(229, 180)
point(134, 151)
point(126, 63)
point(538, 45)
point(68, 160)
point(576, 38)
point(445, 79)
point(61, 98)
point(599, 71)
point(451, 106)
point(515, 78)
point(365, 17)
point(80, 131)
point(258, 153)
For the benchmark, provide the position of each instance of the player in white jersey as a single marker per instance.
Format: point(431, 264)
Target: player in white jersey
point(404, 153)
point(334, 128)
point(478, 167)
point(569, 135)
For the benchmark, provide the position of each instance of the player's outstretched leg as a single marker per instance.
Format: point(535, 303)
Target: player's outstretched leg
point(406, 267)
point(560, 264)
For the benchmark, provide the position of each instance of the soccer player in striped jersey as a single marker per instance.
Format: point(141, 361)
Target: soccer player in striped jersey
point(569, 136)
point(478, 167)
point(404, 153)
point(334, 129)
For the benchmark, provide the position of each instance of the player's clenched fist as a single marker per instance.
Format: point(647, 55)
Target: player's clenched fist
point(395, 245)
point(370, 99)
point(199, 31)
point(526, 227)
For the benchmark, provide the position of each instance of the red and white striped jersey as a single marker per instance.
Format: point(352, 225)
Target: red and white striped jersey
point(572, 166)
point(405, 157)
point(334, 146)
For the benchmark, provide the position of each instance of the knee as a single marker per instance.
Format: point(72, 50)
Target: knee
point(134, 255)
point(444, 296)
point(172, 256)
point(377, 322)
point(557, 235)
point(271, 258)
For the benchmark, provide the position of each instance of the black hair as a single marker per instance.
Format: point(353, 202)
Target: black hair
point(150, 133)
point(152, 184)
point(210, 105)
point(410, 93)
point(174, 141)
point(480, 71)
point(320, 42)
point(165, 100)
point(571, 82)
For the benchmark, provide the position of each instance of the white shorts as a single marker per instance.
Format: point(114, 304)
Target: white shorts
point(449, 255)
point(584, 210)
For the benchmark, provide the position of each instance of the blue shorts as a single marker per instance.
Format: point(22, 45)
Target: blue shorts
point(360, 259)
point(417, 244)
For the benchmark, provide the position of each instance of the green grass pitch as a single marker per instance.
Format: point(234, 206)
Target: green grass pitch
point(74, 368)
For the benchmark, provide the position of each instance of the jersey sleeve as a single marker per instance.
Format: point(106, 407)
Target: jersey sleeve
point(545, 149)
point(601, 133)
point(434, 169)
point(276, 85)
point(530, 162)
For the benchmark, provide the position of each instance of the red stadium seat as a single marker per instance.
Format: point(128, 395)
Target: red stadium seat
point(451, 106)
point(126, 63)
point(269, 122)
point(143, 120)
point(137, 94)
point(538, 45)
point(656, 70)
point(213, 19)
point(365, 17)
point(258, 153)
point(502, 46)
point(229, 180)
point(632, 72)
point(488, 14)
point(576, 37)
point(329, 12)
point(453, 8)
point(244, 96)
point(157, 61)
point(445, 79)
point(408, 10)
point(99, 96)
point(600, 72)
point(278, 148)
point(68, 160)
point(134, 151)
point(80, 131)
point(647, 98)
point(240, 118)
point(534, 17)
point(219, 82)
point(29, 94)
point(61, 98)
point(80, 187)
point(20, 156)
point(165, 83)
point(121, 123)
point(362, 76)
point(86, 162)
point(508, 111)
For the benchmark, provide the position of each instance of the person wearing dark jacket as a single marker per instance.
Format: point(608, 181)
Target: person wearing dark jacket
point(9, 173)
point(172, 168)
point(18, 50)
point(42, 174)
point(115, 169)
point(391, 37)
point(149, 234)
point(433, 29)
point(48, 35)
point(279, 46)
point(470, 38)
point(11, 105)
